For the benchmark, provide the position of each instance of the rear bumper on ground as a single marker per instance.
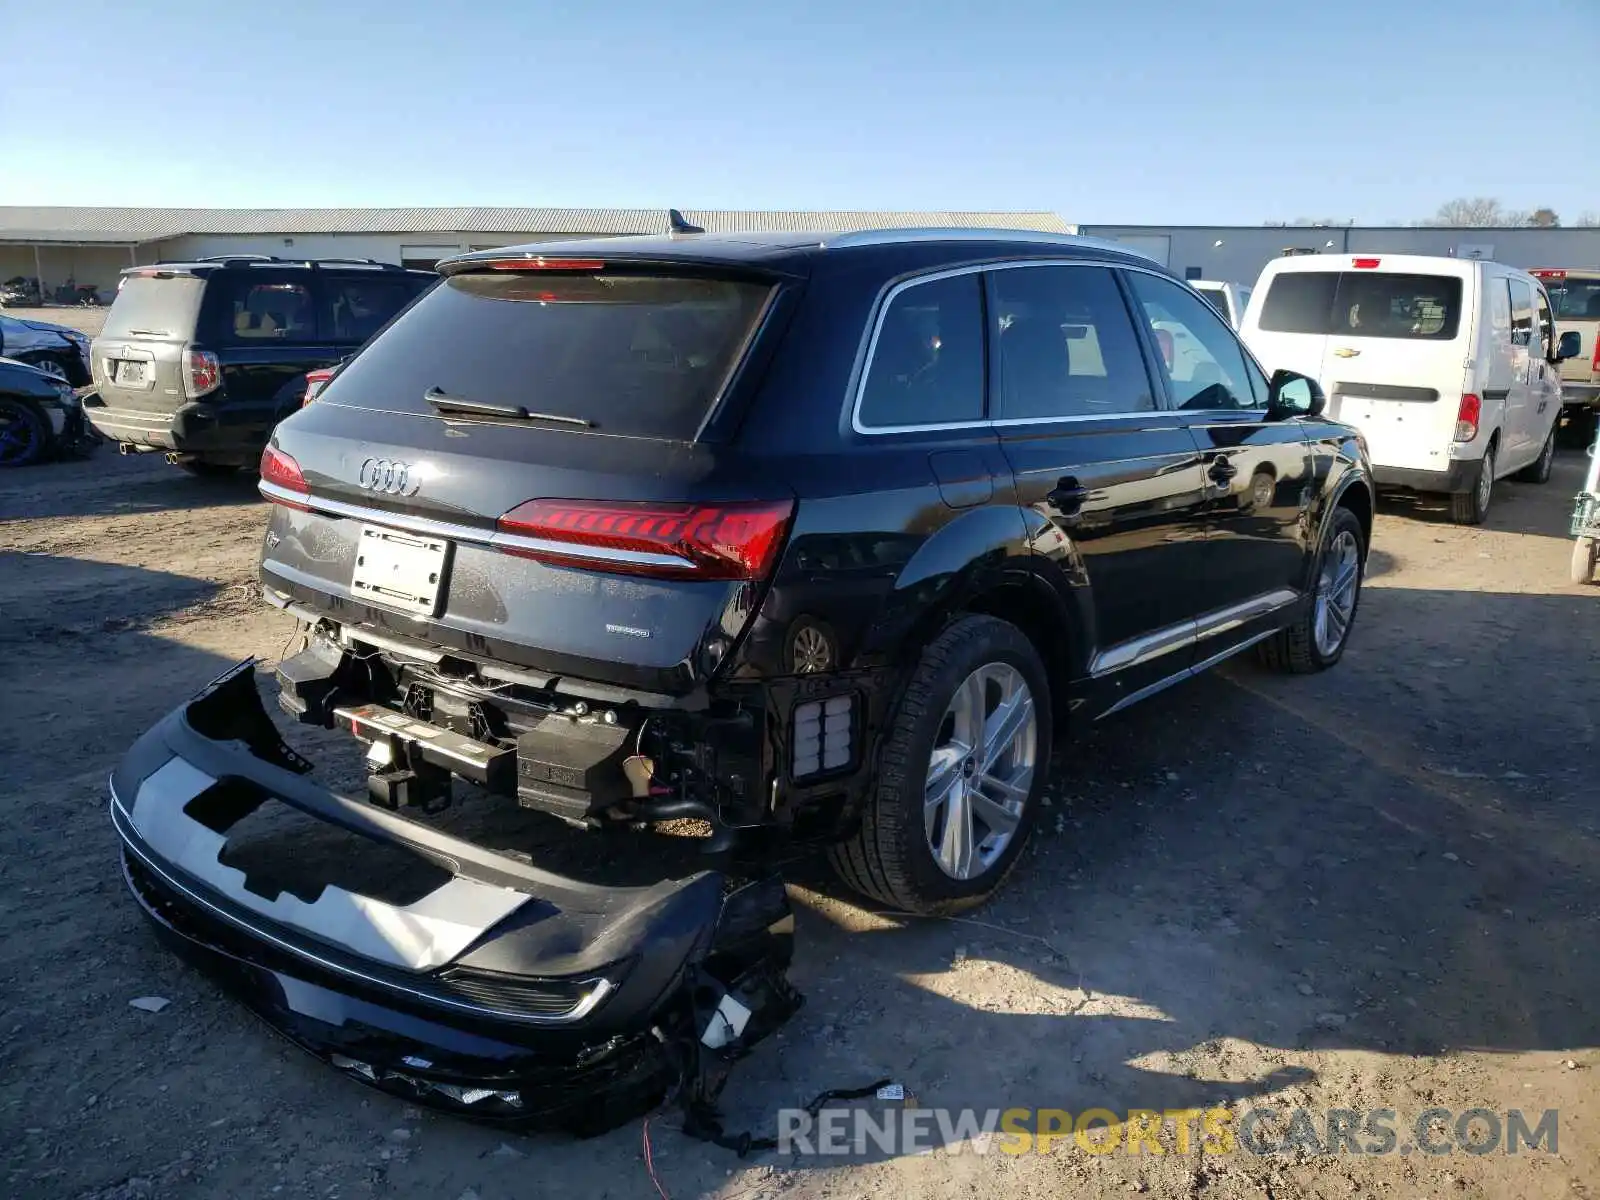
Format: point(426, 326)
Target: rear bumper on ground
point(1459, 477)
point(504, 992)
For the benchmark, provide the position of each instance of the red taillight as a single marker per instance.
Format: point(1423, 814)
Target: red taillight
point(280, 470)
point(545, 264)
point(693, 541)
point(1467, 418)
point(1365, 264)
point(1548, 274)
point(202, 373)
point(1594, 363)
point(315, 382)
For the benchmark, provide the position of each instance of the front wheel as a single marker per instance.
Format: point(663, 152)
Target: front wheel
point(1318, 637)
point(959, 774)
point(1538, 471)
point(24, 434)
point(1585, 555)
point(1472, 508)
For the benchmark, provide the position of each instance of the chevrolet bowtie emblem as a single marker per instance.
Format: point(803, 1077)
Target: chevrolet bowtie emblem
point(1346, 352)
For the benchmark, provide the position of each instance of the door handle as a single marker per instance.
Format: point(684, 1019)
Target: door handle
point(1068, 497)
point(1221, 469)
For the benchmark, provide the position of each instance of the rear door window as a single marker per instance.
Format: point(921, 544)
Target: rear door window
point(927, 357)
point(1380, 304)
point(358, 304)
point(151, 306)
point(1065, 345)
point(252, 307)
point(637, 355)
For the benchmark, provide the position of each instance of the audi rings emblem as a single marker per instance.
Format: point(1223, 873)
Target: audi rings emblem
point(390, 477)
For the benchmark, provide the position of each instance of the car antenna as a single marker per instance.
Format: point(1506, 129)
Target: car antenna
point(678, 225)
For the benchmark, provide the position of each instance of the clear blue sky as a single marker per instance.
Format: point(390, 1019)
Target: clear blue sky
point(1139, 111)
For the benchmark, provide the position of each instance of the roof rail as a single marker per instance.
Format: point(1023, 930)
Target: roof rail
point(881, 237)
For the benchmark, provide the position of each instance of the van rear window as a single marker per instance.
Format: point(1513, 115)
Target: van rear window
point(149, 306)
point(636, 355)
point(1574, 298)
point(1363, 304)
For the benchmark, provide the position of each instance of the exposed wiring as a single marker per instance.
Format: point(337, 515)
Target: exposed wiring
point(650, 1163)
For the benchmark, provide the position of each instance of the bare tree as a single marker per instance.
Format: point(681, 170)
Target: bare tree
point(1476, 210)
point(1544, 218)
point(1588, 220)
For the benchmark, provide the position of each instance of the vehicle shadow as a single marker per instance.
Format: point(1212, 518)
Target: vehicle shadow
point(51, 598)
point(107, 484)
point(1543, 509)
point(1385, 858)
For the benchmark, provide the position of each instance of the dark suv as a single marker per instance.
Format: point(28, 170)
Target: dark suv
point(201, 359)
point(808, 539)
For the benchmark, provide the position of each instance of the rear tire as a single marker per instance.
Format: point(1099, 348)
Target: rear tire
point(1538, 471)
point(209, 470)
point(1310, 644)
point(1472, 508)
point(891, 857)
point(1585, 555)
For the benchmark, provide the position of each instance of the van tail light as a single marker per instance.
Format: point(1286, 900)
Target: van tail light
point(1365, 264)
point(315, 382)
point(202, 373)
point(1594, 363)
point(1467, 418)
point(672, 541)
point(282, 472)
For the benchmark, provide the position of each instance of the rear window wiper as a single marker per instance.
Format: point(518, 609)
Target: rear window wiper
point(151, 332)
point(444, 403)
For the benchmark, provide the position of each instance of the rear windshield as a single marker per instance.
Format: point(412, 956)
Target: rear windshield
point(1574, 299)
point(636, 355)
point(151, 307)
point(1364, 304)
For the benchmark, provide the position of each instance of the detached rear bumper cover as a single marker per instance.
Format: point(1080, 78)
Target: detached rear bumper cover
point(504, 992)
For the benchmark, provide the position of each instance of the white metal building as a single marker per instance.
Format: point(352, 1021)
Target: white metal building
point(93, 245)
point(1238, 252)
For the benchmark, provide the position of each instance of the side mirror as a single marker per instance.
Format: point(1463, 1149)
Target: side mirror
point(1569, 345)
point(1294, 395)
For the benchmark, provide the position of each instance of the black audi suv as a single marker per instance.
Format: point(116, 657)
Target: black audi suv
point(812, 539)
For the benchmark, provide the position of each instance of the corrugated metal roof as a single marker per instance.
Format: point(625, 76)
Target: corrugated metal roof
point(26, 224)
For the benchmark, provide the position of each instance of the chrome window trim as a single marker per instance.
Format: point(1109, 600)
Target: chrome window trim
point(471, 534)
point(904, 285)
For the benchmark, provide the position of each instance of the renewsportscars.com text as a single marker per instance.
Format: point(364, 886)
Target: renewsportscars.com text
point(1264, 1130)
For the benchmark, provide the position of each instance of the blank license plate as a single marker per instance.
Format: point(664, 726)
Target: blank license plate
point(400, 570)
point(130, 374)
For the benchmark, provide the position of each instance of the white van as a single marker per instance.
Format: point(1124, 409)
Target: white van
point(1229, 299)
point(1448, 366)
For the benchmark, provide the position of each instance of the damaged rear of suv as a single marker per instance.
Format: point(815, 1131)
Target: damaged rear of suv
point(806, 539)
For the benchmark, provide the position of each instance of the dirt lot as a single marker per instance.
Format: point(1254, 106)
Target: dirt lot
point(1371, 889)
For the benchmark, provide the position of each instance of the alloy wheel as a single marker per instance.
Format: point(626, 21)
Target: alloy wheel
point(981, 771)
point(1336, 592)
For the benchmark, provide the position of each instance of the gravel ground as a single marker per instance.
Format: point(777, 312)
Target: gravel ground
point(1375, 888)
